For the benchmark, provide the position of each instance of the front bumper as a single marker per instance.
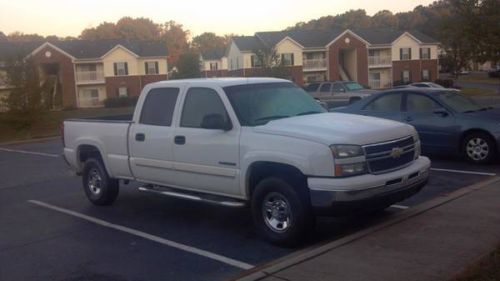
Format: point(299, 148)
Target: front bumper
point(342, 196)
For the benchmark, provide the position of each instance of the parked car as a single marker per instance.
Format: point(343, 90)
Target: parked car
point(341, 92)
point(424, 85)
point(445, 120)
point(258, 142)
point(494, 73)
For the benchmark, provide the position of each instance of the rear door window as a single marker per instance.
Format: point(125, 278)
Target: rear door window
point(312, 87)
point(158, 108)
point(325, 88)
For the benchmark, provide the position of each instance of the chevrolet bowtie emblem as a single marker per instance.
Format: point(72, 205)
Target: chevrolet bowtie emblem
point(396, 152)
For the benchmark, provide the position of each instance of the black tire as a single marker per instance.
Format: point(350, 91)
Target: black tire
point(100, 189)
point(301, 218)
point(479, 147)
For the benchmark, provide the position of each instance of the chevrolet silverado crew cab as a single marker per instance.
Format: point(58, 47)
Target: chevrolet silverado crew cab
point(257, 142)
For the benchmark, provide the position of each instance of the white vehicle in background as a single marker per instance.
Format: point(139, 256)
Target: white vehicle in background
point(257, 142)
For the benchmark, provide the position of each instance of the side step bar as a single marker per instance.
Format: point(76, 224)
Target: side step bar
point(210, 199)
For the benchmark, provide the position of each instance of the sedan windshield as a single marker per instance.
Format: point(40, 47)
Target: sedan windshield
point(458, 102)
point(353, 86)
point(257, 104)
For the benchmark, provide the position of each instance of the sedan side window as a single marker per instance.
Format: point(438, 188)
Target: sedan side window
point(201, 103)
point(325, 88)
point(386, 103)
point(420, 104)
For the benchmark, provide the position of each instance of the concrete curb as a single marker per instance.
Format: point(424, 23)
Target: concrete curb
point(31, 140)
point(280, 264)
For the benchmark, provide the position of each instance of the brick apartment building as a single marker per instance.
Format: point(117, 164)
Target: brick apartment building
point(374, 57)
point(85, 73)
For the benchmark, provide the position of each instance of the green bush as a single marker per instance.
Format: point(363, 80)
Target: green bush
point(120, 102)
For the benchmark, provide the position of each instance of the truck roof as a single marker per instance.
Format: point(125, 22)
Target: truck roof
point(221, 82)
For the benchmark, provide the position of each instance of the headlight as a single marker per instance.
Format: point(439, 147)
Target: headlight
point(346, 151)
point(352, 169)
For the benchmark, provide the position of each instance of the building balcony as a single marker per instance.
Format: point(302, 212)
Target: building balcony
point(314, 64)
point(379, 61)
point(89, 77)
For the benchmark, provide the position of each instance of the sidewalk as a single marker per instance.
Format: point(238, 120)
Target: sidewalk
point(433, 241)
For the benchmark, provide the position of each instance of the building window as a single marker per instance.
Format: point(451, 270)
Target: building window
point(89, 97)
point(425, 53)
point(405, 53)
point(287, 59)
point(214, 66)
point(121, 68)
point(151, 67)
point(122, 92)
point(405, 76)
point(426, 75)
point(255, 61)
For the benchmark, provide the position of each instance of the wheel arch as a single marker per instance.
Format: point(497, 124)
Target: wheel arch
point(471, 131)
point(260, 170)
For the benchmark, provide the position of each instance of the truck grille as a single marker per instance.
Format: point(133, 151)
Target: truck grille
point(389, 156)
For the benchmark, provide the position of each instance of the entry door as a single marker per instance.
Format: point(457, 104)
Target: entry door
point(437, 130)
point(206, 159)
point(151, 138)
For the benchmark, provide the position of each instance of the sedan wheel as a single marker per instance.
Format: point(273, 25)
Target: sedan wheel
point(477, 149)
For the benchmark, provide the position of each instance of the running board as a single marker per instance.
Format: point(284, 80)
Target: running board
point(194, 196)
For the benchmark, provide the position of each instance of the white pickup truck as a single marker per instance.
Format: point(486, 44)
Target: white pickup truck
point(257, 142)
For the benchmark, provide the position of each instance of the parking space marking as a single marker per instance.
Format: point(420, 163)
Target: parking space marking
point(464, 172)
point(31, 152)
point(400, 207)
point(147, 236)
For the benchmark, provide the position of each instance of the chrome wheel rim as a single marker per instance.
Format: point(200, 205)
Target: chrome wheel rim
point(94, 182)
point(477, 149)
point(276, 212)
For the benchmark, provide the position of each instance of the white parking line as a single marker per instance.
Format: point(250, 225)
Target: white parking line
point(400, 207)
point(30, 152)
point(147, 236)
point(464, 172)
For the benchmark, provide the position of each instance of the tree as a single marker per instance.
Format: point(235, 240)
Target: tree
point(270, 63)
point(138, 29)
point(384, 18)
point(22, 37)
point(25, 99)
point(188, 66)
point(488, 34)
point(208, 41)
point(176, 38)
point(105, 30)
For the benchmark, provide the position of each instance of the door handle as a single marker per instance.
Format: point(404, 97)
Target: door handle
point(140, 137)
point(408, 119)
point(180, 140)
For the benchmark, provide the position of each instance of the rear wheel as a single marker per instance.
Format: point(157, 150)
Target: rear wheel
point(281, 212)
point(99, 187)
point(479, 148)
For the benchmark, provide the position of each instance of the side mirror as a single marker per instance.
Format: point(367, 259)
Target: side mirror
point(216, 122)
point(441, 112)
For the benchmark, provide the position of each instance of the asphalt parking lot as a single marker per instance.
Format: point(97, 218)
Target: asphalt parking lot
point(49, 231)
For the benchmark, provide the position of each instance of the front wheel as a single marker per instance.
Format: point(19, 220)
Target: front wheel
point(99, 187)
point(479, 148)
point(281, 212)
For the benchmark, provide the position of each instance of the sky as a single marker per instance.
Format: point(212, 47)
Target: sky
point(70, 17)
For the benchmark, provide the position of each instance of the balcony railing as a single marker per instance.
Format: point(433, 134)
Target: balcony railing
point(379, 60)
point(89, 76)
point(314, 63)
point(374, 84)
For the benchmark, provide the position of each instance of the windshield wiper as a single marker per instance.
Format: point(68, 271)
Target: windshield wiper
point(308, 112)
point(272, 117)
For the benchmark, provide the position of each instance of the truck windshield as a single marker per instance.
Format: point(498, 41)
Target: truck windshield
point(257, 104)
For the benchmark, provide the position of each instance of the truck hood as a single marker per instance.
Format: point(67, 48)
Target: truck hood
point(338, 128)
